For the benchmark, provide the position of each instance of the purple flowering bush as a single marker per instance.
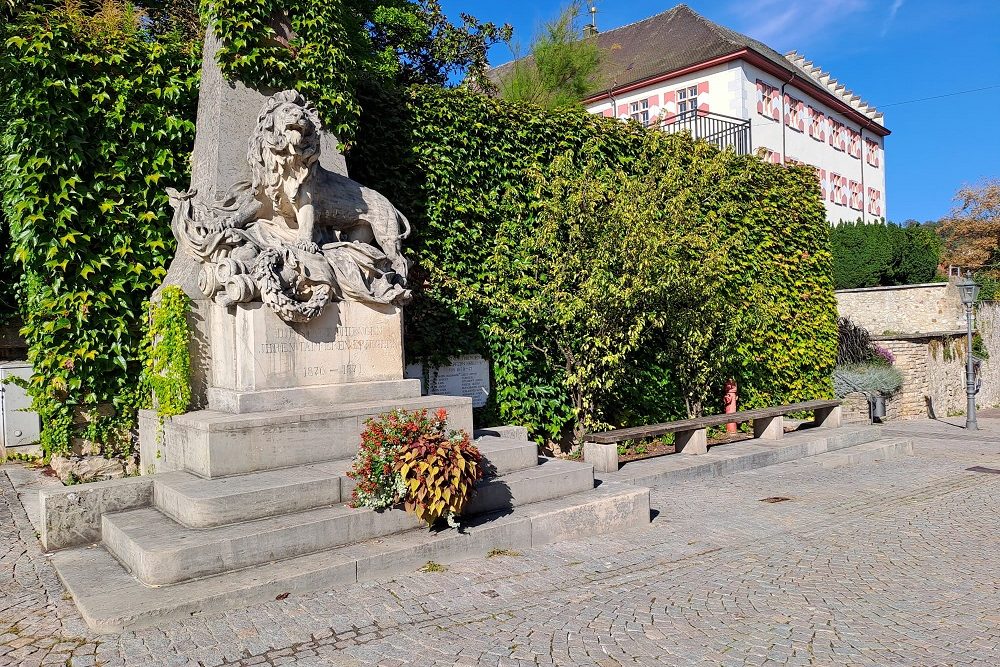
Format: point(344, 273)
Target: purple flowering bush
point(883, 354)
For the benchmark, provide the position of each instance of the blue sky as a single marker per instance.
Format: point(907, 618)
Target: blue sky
point(887, 51)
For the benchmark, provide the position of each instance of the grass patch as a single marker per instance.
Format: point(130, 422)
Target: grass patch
point(496, 553)
point(431, 566)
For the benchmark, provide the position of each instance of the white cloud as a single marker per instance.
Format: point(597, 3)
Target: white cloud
point(896, 6)
point(791, 24)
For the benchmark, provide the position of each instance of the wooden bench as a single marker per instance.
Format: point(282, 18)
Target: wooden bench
point(601, 449)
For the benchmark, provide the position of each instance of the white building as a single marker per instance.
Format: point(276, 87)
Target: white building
point(681, 71)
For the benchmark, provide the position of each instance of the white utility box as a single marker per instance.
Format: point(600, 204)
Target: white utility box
point(19, 427)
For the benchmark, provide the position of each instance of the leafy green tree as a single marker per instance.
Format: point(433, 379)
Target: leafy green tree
point(611, 261)
point(561, 68)
point(416, 43)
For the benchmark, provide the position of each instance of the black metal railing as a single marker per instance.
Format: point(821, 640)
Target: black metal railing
point(715, 128)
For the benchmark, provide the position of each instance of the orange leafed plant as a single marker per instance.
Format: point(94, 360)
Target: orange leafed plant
point(439, 472)
point(412, 458)
point(971, 234)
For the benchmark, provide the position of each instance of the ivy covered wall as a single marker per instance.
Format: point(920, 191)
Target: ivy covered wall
point(99, 106)
point(474, 175)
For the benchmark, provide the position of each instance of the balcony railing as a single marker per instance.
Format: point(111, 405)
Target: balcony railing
point(715, 128)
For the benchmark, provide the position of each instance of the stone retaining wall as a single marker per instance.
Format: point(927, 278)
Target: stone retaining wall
point(933, 369)
point(988, 326)
point(903, 308)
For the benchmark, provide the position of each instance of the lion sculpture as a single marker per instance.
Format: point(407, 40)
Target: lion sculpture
point(297, 236)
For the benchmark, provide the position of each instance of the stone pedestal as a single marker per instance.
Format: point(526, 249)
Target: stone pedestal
point(351, 352)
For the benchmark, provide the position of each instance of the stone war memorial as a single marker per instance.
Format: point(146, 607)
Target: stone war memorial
point(297, 276)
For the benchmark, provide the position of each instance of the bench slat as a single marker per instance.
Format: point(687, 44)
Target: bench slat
point(653, 430)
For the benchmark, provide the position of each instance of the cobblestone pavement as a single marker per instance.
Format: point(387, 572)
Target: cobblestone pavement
point(893, 563)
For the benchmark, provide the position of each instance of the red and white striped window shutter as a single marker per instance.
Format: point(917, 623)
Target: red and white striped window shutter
point(854, 144)
point(817, 124)
point(767, 101)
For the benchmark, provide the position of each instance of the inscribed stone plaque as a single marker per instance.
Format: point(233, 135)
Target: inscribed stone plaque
point(349, 342)
point(468, 375)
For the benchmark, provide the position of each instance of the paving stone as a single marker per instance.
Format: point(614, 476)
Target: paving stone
point(874, 563)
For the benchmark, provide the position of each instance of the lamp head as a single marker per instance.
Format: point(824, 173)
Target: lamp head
point(968, 290)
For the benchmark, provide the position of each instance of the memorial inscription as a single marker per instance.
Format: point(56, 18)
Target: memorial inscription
point(348, 342)
point(468, 375)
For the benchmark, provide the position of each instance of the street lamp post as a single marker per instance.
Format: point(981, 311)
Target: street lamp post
point(969, 290)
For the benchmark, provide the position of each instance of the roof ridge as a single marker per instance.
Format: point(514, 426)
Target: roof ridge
point(827, 81)
point(648, 18)
point(724, 33)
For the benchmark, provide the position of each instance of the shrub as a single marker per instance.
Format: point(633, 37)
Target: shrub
point(869, 378)
point(854, 343)
point(410, 458)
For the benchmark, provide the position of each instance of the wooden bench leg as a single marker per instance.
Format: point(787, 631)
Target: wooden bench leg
point(769, 428)
point(604, 458)
point(828, 417)
point(692, 442)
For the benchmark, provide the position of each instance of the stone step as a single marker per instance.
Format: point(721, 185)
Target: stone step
point(882, 450)
point(740, 456)
point(203, 503)
point(552, 479)
point(218, 444)
point(160, 551)
point(110, 600)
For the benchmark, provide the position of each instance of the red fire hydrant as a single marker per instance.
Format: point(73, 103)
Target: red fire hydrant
point(729, 403)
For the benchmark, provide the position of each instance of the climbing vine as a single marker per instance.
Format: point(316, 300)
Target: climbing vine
point(167, 363)
point(97, 116)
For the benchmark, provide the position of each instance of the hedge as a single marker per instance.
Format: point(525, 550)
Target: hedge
point(883, 254)
point(467, 170)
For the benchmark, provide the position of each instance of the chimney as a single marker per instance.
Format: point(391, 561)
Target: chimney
point(590, 29)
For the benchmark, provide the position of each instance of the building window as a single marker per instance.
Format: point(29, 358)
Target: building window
point(872, 153)
point(767, 100)
point(687, 100)
point(838, 135)
point(854, 144)
point(639, 111)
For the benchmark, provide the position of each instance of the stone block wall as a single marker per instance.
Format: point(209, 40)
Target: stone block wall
point(988, 326)
point(903, 308)
point(933, 370)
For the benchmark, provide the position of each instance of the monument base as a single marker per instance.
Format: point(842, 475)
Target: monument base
point(256, 356)
point(212, 444)
point(265, 400)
